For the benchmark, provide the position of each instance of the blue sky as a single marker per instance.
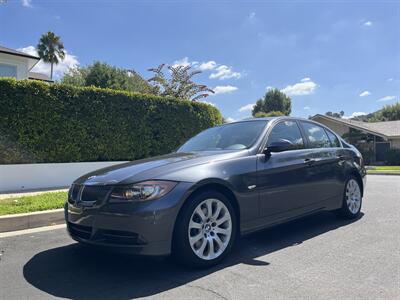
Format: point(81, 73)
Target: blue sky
point(327, 55)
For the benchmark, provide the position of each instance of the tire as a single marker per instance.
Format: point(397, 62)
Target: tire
point(352, 199)
point(202, 239)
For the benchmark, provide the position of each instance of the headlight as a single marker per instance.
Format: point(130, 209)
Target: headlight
point(142, 191)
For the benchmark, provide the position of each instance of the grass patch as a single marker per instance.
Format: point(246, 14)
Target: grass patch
point(26, 204)
point(383, 169)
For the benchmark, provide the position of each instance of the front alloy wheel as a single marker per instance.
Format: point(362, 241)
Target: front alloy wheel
point(210, 229)
point(205, 230)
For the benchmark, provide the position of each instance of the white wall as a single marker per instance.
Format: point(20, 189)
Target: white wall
point(20, 62)
point(22, 177)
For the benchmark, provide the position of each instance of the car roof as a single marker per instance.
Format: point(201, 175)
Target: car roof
point(269, 119)
point(273, 118)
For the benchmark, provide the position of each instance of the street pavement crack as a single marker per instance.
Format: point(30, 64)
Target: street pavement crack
point(207, 290)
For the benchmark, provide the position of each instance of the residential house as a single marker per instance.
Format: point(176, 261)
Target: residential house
point(18, 64)
point(373, 138)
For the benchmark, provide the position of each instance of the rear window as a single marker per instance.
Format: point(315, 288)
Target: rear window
point(316, 135)
point(333, 138)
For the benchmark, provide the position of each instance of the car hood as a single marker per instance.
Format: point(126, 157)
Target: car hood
point(153, 168)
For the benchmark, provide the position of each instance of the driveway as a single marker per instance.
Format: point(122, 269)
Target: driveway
point(319, 257)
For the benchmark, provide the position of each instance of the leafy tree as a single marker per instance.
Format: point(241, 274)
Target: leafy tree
point(51, 49)
point(75, 76)
point(334, 114)
point(179, 83)
point(274, 101)
point(389, 113)
point(105, 76)
point(262, 114)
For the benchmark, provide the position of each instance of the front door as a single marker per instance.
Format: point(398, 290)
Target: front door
point(283, 177)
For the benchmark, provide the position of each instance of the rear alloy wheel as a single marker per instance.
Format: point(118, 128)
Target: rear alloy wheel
point(206, 231)
point(352, 199)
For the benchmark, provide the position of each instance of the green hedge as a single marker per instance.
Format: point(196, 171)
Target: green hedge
point(62, 123)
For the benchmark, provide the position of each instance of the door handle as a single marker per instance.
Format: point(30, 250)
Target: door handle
point(341, 157)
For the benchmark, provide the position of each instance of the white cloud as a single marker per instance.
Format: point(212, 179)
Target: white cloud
point(70, 61)
point(182, 62)
point(390, 79)
point(229, 120)
point(26, 3)
point(386, 98)
point(268, 88)
point(218, 71)
point(367, 23)
point(209, 65)
point(304, 87)
point(365, 93)
point(224, 72)
point(224, 89)
point(306, 107)
point(207, 102)
point(355, 114)
point(313, 130)
point(248, 107)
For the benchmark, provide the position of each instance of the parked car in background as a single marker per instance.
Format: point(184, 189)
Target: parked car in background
point(226, 181)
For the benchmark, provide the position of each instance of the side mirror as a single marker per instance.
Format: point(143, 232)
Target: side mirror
point(279, 146)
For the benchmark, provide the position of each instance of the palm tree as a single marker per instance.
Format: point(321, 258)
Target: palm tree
point(51, 49)
point(179, 84)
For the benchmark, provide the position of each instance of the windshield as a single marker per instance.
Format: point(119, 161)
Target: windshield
point(235, 136)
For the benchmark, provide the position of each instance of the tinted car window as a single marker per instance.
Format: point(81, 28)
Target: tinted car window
point(235, 136)
point(286, 130)
point(316, 135)
point(333, 138)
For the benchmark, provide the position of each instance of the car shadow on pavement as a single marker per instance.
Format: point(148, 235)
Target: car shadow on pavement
point(79, 272)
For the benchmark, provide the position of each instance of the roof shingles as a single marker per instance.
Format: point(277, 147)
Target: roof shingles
point(15, 52)
point(387, 128)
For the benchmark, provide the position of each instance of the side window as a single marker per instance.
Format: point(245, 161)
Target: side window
point(286, 130)
point(8, 71)
point(333, 138)
point(316, 135)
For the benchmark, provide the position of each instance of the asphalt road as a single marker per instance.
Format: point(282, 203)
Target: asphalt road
point(319, 257)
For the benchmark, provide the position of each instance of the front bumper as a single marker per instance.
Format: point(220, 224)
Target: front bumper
point(144, 228)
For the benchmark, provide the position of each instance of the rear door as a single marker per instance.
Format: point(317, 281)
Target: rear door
point(325, 158)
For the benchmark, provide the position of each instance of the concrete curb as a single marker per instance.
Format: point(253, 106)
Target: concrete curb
point(31, 220)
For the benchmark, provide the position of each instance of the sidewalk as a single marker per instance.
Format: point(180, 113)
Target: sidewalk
point(30, 193)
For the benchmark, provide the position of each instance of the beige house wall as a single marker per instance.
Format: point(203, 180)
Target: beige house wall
point(395, 143)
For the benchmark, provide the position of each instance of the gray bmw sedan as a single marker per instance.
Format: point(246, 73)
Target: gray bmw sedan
point(227, 181)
